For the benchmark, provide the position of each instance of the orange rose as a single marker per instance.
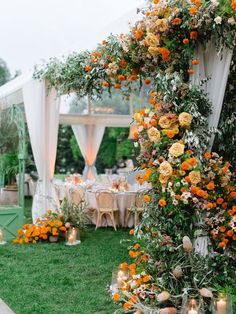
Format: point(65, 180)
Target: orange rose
point(185, 41)
point(193, 35)
point(222, 228)
point(176, 21)
point(121, 77)
point(195, 62)
point(105, 84)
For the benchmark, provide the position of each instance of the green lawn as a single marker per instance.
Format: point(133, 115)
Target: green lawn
point(56, 279)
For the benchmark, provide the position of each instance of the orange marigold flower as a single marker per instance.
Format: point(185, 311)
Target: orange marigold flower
point(209, 205)
point(176, 21)
point(185, 41)
point(192, 161)
point(145, 258)
point(219, 200)
point(233, 194)
point(105, 84)
point(233, 4)
point(193, 35)
point(121, 77)
point(123, 266)
point(154, 122)
point(185, 165)
point(222, 244)
point(230, 233)
point(193, 10)
point(234, 237)
point(162, 202)
point(190, 71)
point(152, 101)
point(211, 186)
point(146, 198)
point(87, 68)
point(195, 62)
point(207, 155)
point(127, 306)
point(117, 85)
point(116, 297)
point(165, 53)
point(133, 77)
point(146, 278)
point(147, 81)
point(198, 3)
point(170, 133)
point(222, 228)
point(178, 196)
point(138, 34)
point(136, 246)
point(123, 63)
point(132, 266)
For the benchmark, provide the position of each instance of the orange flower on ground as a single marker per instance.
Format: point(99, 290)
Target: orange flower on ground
point(190, 71)
point(162, 202)
point(116, 297)
point(195, 62)
point(146, 198)
point(121, 77)
point(117, 85)
point(105, 84)
point(147, 81)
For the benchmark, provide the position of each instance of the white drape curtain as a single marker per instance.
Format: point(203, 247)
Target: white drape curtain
point(89, 138)
point(42, 115)
point(215, 66)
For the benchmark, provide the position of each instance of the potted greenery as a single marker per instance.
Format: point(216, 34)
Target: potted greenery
point(74, 215)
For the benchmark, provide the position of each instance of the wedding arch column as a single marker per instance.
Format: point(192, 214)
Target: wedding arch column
point(42, 115)
point(89, 138)
point(214, 66)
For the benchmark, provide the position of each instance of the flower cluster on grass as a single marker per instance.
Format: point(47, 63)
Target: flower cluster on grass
point(50, 225)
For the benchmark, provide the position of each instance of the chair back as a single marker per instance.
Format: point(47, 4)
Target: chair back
point(76, 196)
point(105, 199)
point(139, 199)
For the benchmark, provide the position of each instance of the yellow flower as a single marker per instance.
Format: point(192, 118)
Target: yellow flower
point(154, 135)
point(195, 177)
point(154, 51)
point(162, 25)
point(166, 169)
point(177, 149)
point(152, 40)
point(185, 119)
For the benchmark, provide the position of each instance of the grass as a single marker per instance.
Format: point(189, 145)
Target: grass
point(53, 278)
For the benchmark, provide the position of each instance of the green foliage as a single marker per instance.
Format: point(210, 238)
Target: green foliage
point(4, 72)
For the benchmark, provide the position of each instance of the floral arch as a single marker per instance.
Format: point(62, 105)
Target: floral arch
point(185, 246)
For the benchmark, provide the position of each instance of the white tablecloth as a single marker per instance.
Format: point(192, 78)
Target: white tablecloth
point(124, 200)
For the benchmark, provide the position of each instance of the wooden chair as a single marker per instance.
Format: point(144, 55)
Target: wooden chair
point(137, 209)
point(76, 196)
point(106, 206)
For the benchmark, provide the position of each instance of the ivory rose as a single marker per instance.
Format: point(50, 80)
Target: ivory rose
point(195, 177)
point(154, 135)
point(176, 150)
point(165, 169)
point(185, 119)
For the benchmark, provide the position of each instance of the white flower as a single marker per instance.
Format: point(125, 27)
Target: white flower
point(231, 21)
point(218, 20)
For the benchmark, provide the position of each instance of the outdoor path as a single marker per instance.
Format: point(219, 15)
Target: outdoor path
point(4, 309)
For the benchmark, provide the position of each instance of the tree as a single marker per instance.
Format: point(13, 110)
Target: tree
point(4, 72)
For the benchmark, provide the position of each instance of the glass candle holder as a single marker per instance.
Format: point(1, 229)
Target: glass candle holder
point(72, 237)
point(223, 304)
point(2, 237)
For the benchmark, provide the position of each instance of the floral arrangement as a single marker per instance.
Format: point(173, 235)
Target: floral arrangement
point(74, 215)
point(164, 40)
point(50, 225)
point(120, 184)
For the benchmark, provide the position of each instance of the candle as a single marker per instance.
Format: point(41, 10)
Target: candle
point(71, 239)
point(221, 306)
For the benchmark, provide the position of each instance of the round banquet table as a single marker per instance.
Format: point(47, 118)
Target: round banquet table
point(124, 200)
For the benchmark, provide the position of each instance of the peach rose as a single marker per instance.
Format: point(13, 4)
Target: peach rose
point(185, 119)
point(195, 177)
point(165, 169)
point(154, 135)
point(176, 150)
point(152, 40)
